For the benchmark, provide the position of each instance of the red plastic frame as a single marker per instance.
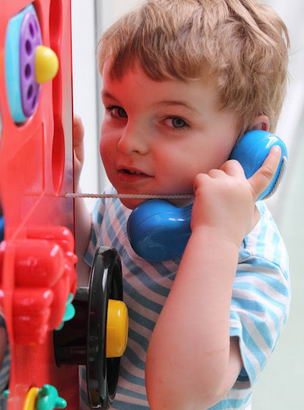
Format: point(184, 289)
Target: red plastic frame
point(37, 261)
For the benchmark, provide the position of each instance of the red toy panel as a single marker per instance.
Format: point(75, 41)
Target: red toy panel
point(37, 263)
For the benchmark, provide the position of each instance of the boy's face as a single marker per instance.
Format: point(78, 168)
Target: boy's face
point(157, 136)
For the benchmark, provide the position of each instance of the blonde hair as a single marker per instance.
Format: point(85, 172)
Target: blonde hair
point(242, 43)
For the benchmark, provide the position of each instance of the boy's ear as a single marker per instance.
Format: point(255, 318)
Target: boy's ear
point(261, 122)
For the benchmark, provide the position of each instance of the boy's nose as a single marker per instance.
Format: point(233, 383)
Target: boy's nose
point(133, 140)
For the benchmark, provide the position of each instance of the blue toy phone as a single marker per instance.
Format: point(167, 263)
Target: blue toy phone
point(159, 231)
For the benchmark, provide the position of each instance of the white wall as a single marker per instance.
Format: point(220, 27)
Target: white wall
point(111, 11)
point(85, 88)
point(288, 126)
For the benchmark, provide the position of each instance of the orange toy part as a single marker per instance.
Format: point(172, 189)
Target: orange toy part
point(37, 261)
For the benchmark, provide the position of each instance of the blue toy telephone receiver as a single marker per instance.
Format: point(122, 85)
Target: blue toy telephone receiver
point(159, 231)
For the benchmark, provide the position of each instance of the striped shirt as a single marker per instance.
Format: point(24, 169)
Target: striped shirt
point(4, 367)
point(259, 306)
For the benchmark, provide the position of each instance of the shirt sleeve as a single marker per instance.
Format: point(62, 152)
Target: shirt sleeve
point(260, 305)
point(97, 217)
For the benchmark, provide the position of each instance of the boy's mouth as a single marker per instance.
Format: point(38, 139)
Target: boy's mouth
point(131, 174)
point(131, 171)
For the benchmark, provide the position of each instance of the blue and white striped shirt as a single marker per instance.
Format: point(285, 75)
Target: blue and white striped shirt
point(259, 306)
point(4, 365)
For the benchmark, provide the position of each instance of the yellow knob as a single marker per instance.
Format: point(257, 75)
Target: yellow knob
point(117, 328)
point(30, 399)
point(46, 64)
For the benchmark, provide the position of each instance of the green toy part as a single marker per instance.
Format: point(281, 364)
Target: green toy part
point(69, 311)
point(48, 399)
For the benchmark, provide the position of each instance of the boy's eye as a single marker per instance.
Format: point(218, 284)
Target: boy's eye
point(117, 112)
point(176, 122)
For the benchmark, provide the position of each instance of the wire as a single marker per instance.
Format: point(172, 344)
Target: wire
point(129, 196)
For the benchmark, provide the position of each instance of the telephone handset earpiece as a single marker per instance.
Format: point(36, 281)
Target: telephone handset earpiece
point(159, 231)
point(251, 151)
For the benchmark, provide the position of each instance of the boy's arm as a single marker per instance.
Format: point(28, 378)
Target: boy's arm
point(82, 215)
point(189, 363)
point(192, 361)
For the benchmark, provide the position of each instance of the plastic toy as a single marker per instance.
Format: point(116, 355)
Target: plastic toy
point(1, 228)
point(159, 231)
point(38, 282)
point(86, 340)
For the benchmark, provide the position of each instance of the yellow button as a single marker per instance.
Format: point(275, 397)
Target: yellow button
point(46, 64)
point(30, 399)
point(117, 328)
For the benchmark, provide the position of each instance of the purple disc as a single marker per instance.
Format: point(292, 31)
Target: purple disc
point(30, 38)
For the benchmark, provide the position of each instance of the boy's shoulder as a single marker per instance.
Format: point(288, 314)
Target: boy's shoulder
point(265, 241)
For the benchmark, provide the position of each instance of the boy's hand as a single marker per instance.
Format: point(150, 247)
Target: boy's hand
point(225, 199)
point(78, 134)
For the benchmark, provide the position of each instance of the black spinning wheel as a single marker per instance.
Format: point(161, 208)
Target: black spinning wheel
point(96, 337)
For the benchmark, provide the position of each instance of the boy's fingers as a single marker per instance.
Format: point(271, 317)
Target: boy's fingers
point(262, 177)
point(78, 130)
point(233, 167)
point(78, 133)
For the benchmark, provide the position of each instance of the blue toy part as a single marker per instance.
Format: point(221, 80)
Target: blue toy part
point(159, 231)
point(12, 64)
point(252, 150)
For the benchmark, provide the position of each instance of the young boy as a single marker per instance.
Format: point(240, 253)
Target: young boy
point(182, 81)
